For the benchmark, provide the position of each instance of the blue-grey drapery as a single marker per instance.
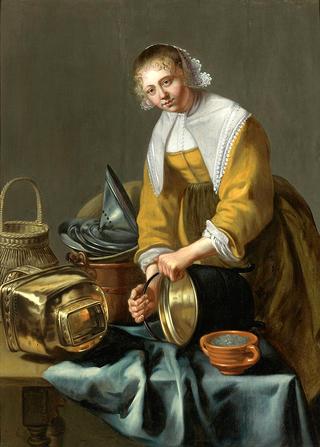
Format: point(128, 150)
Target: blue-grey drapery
point(160, 395)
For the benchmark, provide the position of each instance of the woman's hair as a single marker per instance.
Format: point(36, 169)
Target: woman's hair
point(166, 54)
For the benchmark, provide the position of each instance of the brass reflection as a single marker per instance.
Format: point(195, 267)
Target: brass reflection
point(54, 310)
point(178, 309)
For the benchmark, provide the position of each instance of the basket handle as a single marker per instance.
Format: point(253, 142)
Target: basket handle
point(36, 190)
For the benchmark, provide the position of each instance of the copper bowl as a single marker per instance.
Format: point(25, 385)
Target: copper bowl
point(231, 352)
point(116, 279)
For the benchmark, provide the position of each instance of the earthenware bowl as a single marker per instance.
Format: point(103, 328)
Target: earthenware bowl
point(231, 352)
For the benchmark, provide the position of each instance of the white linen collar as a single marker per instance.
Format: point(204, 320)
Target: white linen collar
point(213, 121)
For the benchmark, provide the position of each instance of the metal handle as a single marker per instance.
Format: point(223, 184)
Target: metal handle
point(36, 190)
point(78, 258)
point(249, 268)
point(146, 324)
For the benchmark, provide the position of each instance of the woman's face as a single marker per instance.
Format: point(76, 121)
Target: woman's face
point(165, 88)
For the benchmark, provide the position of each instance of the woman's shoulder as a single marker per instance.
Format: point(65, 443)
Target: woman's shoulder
point(251, 141)
point(253, 128)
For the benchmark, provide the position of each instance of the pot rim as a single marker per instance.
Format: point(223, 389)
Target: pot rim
point(253, 339)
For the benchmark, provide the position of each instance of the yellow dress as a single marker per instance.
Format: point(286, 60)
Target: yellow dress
point(267, 222)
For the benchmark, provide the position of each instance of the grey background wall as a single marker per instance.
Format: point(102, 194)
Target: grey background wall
point(67, 107)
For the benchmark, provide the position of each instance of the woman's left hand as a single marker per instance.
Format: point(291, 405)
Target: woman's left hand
point(173, 264)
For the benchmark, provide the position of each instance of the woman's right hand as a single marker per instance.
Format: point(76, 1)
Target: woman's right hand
point(142, 305)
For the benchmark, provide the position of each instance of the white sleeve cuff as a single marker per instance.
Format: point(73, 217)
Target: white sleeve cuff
point(220, 242)
point(150, 255)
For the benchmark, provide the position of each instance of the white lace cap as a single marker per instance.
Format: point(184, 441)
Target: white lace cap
point(195, 78)
point(192, 69)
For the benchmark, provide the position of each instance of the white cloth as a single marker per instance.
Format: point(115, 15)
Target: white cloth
point(180, 139)
point(213, 122)
point(149, 256)
point(220, 242)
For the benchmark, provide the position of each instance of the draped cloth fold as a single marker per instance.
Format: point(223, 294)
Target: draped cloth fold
point(160, 395)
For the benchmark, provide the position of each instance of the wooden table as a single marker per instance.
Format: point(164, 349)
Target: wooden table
point(40, 401)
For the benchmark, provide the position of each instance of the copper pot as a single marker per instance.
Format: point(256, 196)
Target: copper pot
point(115, 279)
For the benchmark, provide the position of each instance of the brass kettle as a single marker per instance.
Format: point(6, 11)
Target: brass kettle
point(53, 311)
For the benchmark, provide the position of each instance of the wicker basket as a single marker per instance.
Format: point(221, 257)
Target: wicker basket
point(24, 242)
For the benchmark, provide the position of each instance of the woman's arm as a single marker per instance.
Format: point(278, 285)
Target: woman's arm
point(150, 256)
point(245, 206)
point(174, 264)
point(158, 223)
point(158, 215)
point(244, 209)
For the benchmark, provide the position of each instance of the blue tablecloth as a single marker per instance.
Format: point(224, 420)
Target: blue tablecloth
point(164, 396)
